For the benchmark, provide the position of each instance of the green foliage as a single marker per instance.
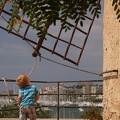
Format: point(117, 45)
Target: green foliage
point(9, 113)
point(79, 86)
point(93, 99)
point(41, 113)
point(116, 5)
point(93, 113)
point(12, 111)
point(43, 13)
point(97, 100)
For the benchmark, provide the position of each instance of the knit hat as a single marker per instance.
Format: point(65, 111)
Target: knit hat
point(22, 81)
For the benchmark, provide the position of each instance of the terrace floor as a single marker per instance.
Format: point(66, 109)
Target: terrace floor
point(39, 119)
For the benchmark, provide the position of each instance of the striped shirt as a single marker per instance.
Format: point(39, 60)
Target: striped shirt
point(28, 95)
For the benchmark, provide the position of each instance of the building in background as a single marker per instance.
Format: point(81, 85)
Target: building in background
point(81, 92)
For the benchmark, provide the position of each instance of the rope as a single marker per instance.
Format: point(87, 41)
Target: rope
point(29, 44)
point(18, 32)
point(33, 67)
point(6, 85)
point(99, 74)
point(70, 66)
point(50, 59)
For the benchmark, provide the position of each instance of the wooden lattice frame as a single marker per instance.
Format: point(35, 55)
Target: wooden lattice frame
point(69, 43)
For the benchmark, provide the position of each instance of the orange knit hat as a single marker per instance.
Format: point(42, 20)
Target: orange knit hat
point(22, 80)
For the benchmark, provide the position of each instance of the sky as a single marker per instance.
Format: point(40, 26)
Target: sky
point(16, 58)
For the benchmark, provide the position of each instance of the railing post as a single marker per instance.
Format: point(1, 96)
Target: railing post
point(58, 103)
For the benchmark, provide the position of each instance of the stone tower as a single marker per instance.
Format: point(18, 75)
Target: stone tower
point(111, 61)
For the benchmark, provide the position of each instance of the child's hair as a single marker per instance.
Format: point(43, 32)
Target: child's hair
point(22, 80)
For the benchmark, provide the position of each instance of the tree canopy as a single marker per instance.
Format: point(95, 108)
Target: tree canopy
point(44, 13)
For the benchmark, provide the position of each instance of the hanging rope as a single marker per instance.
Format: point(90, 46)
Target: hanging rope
point(34, 65)
point(52, 60)
point(70, 66)
point(8, 94)
point(17, 32)
point(6, 85)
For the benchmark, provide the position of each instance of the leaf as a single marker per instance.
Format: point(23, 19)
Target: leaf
point(37, 14)
point(93, 1)
point(93, 11)
point(90, 8)
point(41, 10)
point(64, 12)
point(116, 6)
point(75, 15)
point(69, 24)
point(114, 1)
point(3, 4)
point(83, 18)
point(81, 23)
point(66, 30)
point(118, 16)
point(97, 15)
point(76, 21)
point(118, 11)
point(20, 5)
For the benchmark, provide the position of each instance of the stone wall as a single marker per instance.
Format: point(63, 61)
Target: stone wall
point(111, 61)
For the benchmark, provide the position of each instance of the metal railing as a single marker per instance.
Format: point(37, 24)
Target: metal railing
point(58, 93)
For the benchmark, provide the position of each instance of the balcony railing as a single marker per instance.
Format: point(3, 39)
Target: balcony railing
point(86, 90)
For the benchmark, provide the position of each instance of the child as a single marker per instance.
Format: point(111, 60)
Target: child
point(28, 96)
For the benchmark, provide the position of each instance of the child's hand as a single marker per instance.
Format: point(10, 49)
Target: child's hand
point(18, 105)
